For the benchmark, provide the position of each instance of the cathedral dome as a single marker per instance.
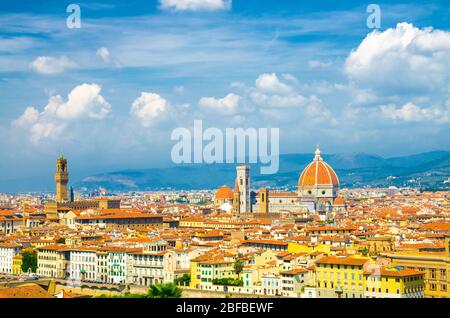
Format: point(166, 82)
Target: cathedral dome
point(318, 173)
point(224, 193)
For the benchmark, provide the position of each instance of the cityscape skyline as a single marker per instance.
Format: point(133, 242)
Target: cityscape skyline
point(292, 66)
point(199, 150)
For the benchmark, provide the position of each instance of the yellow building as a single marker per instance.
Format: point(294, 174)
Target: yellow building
point(17, 264)
point(340, 277)
point(435, 265)
point(195, 274)
point(393, 282)
point(207, 267)
point(305, 248)
point(192, 222)
point(216, 269)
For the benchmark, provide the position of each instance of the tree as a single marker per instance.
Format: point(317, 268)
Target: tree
point(61, 240)
point(184, 280)
point(29, 261)
point(167, 290)
point(238, 267)
point(364, 251)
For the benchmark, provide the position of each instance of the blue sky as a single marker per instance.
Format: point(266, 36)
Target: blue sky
point(109, 94)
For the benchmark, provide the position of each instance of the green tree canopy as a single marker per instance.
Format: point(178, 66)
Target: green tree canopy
point(166, 290)
point(184, 280)
point(61, 240)
point(29, 261)
point(238, 267)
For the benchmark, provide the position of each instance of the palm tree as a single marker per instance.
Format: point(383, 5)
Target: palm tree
point(168, 290)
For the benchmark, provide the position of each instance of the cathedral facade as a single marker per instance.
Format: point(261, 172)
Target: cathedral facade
point(317, 192)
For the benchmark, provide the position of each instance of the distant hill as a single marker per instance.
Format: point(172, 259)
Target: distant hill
point(354, 170)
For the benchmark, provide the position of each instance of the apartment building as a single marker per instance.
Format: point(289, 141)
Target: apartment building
point(7, 253)
point(393, 282)
point(53, 260)
point(340, 277)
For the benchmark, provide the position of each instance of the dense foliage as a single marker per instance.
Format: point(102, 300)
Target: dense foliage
point(29, 261)
point(228, 282)
point(184, 280)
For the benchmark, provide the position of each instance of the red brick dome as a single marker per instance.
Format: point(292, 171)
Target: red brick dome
point(318, 172)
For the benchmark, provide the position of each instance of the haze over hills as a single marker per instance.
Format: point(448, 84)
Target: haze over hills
point(428, 170)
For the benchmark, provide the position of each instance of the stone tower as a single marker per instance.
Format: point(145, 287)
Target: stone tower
point(61, 179)
point(236, 199)
point(263, 201)
point(243, 178)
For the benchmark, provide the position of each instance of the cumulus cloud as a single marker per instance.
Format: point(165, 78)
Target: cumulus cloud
point(84, 101)
point(401, 58)
point(148, 108)
point(270, 91)
point(270, 83)
point(195, 5)
point(227, 105)
point(51, 65)
point(413, 113)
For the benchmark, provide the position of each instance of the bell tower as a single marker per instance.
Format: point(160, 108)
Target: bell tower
point(61, 179)
point(236, 198)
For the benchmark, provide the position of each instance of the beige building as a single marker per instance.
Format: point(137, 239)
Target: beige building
point(53, 261)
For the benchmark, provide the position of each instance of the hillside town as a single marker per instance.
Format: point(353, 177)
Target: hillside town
point(318, 242)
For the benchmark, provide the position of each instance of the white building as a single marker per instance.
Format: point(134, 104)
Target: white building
point(146, 268)
point(7, 253)
point(83, 264)
point(271, 285)
point(118, 263)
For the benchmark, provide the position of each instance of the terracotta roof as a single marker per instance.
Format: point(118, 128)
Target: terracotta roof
point(224, 193)
point(24, 291)
point(318, 172)
point(342, 260)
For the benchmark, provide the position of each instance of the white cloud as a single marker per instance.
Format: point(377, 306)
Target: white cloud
point(29, 117)
point(195, 5)
point(270, 91)
point(148, 108)
point(270, 83)
point(413, 113)
point(227, 105)
point(51, 65)
point(319, 64)
point(103, 53)
point(401, 58)
point(83, 101)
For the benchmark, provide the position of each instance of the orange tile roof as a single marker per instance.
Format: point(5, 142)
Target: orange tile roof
point(342, 260)
point(24, 291)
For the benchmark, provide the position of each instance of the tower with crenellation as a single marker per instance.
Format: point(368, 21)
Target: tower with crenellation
point(62, 179)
